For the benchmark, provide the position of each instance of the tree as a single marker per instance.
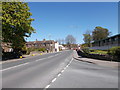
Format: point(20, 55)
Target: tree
point(59, 40)
point(100, 33)
point(70, 39)
point(16, 23)
point(62, 41)
point(87, 39)
point(0, 21)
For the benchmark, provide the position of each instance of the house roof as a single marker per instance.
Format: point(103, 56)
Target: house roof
point(41, 42)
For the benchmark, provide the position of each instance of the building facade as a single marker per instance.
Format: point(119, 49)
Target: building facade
point(49, 45)
point(56, 46)
point(6, 47)
point(107, 43)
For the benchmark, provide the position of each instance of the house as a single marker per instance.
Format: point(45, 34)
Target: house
point(107, 43)
point(6, 47)
point(61, 47)
point(49, 45)
point(56, 46)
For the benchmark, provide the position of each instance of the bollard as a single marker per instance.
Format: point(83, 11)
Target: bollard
point(20, 56)
point(40, 53)
point(33, 54)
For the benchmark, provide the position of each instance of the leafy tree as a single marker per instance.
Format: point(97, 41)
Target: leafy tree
point(0, 21)
point(16, 23)
point(100, 33)
point(84, 45)
point(70, 39)
point(87, 38)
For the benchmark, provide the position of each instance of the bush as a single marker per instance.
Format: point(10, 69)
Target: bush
point(114, 52)
point(11, 55)
point(35, 49)
point(92, 50)
point(29, 50)
point(86, 50)
point(41, 49)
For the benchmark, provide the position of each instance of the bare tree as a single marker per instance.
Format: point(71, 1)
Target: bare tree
point(63, 41)
point(70, 39)
point(59, 40)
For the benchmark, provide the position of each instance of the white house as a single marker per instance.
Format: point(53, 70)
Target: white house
point(62, 47)
point(56, 46)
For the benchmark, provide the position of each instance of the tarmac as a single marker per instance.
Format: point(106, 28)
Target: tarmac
point(77, 57)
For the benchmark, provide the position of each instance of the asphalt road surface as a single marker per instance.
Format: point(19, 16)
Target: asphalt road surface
point(57, 70)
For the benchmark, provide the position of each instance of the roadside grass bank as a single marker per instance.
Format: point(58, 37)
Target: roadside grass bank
point(102, 52)
point(112, 54)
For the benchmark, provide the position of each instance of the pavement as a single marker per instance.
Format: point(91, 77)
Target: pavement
point(97, 61)
point(57, 70)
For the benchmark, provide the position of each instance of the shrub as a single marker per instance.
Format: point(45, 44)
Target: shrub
point(115, 52)
point(86, 50)
point(30, 50)
point(92, 50)
point(98, 52)
point(41, 49)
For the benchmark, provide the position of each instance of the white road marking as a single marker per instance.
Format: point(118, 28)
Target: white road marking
point(62, 71)
point(15, 66)
point(64, 68)
point(59, 74)
point(26, 63)
point(54, 79)
point(47, 86)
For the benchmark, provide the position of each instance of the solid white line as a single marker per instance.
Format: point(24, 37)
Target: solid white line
point(40, 59)
point(37, 60)
point(54, 79)
point(50, 56)
point(15, 66)
point(25, 63)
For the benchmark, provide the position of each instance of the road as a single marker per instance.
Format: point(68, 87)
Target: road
point(57, 70)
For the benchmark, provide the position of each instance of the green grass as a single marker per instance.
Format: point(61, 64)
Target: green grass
point(98, 52)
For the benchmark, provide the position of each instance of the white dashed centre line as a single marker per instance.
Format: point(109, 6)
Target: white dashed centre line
point(58, 75)
point(54, 79)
